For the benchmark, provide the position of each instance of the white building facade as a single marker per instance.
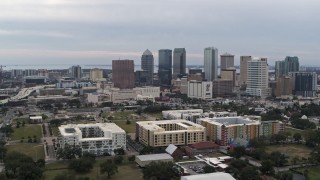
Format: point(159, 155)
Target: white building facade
point(200, 89)
point(258, 78)
point(97, 139)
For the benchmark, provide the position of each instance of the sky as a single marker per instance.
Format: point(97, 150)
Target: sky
point(98, 31)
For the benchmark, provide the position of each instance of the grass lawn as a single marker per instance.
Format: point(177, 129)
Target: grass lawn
point(14, 121)
point(28, 130)
point(156, 115)
point(36, 151)
point(293, 131)
point(128, 128)
point(293, 150)
point(121, 115)
point(128, 171)
point(314, 172)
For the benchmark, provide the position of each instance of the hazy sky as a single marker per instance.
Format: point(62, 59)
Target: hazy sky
point(97, 31)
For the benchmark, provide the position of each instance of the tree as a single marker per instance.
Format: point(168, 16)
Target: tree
point(81, 165)
point(208, 169)
point(118, 159)
point(249, 173)
point(64, 176)
point(21, 166)
point(160, 170)
point(259, 153)
point(3, 149)
point(109, 167)
point(297, 137)
point(284, 175)
point(267, 167)
point(68, 152)
point(119, 151)
point(278, 158)
point(146, 150)
point(238, 151)
point(131, 158)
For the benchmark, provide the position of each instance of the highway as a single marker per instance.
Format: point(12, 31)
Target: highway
point(23, 93)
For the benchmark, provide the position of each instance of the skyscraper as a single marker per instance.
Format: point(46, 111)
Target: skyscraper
point(226, 61)
point(258, 77)
point(147, 64)
point(179, 62)
point(304, 83)
point(76, 72)
point(123, 74)
point(244, 69)
point(211, 63)
point(165, 66)
point(290, 64)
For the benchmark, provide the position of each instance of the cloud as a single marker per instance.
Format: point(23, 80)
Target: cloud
point(34, 33)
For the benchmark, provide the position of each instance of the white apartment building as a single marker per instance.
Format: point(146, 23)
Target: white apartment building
point(177, 114)
point(164, 133)
point(194, 116)
point(200, 89)
point(98, 139)
point(258, 78)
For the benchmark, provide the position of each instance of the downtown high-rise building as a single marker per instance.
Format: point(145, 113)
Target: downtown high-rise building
point(244, 69)
point(179, 62)
point(258, 77)
point(165, 67)
point(147, 64)
point(76, 72)
point(123, 74)
point(304, 83)
point(226, 61)
point(290, 64)
point(211, 63)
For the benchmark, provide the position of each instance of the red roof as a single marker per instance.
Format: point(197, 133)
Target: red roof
point(205, 145)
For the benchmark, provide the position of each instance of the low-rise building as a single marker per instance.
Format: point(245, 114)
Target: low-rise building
point(209, 176)
point(164, 133)
point(177, 114)
point(225, 130)
point(97, 139)
point(144, 160)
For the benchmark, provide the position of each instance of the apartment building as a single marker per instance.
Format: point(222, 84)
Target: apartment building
point(177, 114)
point(164, 133)
point(97, 139)
point(225, 130)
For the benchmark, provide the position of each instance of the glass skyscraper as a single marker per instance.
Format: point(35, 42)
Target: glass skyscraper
point(165, 67)
point(211, 63)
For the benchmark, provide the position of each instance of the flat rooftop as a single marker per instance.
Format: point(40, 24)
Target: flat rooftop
point(154, 157)
point(74, 129)
point(156, 125)
point(230, 121)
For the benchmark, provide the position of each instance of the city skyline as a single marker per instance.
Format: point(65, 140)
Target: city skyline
point(78, 32)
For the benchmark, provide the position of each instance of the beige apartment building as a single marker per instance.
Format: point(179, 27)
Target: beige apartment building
point(164, 133)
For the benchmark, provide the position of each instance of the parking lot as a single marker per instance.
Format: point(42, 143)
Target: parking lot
point(194, 168)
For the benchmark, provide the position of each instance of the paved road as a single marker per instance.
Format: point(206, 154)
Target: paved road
point(46, 137)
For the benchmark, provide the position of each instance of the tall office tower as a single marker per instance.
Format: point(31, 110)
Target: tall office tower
point(147, 64)
point(283, 86)
point(258, 80)
point(96, 74)
point(290, 64)
point(123, 74)
point(244, 69)
point(30, 72)
point(76, 72)
point(179, 62)
point(165, 67)
point(304, 83)
point(211, 63)
point(226, 61)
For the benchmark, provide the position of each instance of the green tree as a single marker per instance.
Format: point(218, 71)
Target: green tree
point(208, 169)
point(109, 167)
point(297, 137)
point(249, 173)
point(160, 170)
point(81, 165)
point(131, 158)
point(238, 151)
point(118, 159)
point(284, 175)
point(119, 151)
point(68, 152)
point(65, 176)
point(278, 158)
point(267, 167)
